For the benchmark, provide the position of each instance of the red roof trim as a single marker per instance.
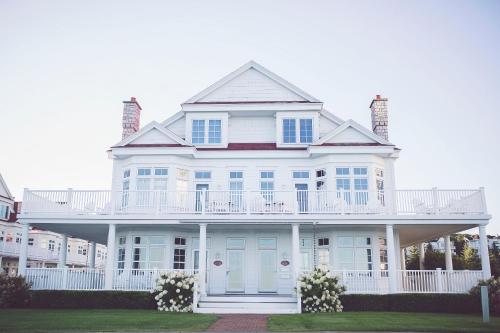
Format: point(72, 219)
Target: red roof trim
point(252, 102)
point(362, 144)
point(253, 146)
point(150, 145)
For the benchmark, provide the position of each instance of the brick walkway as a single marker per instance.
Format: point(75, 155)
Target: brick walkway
point(240, 323)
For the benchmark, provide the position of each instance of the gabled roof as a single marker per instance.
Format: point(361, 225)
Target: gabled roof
point(3, 186)
point(260, 74)
point(357, 127)
point(152, 126)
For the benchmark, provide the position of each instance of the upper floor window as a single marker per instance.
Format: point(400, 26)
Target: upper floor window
point(202, 175)
point(4, 212)
point(304, 130)
point(301, 174)
point(211, 134)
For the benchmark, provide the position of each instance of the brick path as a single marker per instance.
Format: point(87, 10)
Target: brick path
point(240, 323)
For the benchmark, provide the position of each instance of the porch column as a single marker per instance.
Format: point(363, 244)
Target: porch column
point(447, 253)
point(390, 185)
point(91, 254)
point(485, 257)
point(203, 260)
point(63, 253)
point(403, 259)
point(108, 273)
point(391, 258)
point(23, 251)
point(421, 256)
point(296, 251)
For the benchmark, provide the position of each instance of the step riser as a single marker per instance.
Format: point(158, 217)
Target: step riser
point(248, 311)
point(248, 299)
point(285, 306)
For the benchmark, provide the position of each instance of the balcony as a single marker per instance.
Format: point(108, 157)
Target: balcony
point(193, 204)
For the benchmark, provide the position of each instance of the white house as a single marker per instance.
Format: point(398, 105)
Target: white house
point(250, 183)
point(44, 246)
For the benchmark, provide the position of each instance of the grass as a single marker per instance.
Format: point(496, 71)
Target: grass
point(382, 321)
point(33, 320)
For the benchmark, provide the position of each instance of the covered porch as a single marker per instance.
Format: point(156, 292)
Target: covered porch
point(245, 258)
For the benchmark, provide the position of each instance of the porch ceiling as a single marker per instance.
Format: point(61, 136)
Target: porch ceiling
point(413, 234)
point(92, 232)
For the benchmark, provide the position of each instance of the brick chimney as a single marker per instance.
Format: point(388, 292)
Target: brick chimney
point(380, 120)
point(131, 117)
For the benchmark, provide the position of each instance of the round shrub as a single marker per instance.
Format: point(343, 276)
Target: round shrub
point(320, 292)
point(174, 292)
point(14, 292)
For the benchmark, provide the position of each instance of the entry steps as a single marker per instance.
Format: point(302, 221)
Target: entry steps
point(255, 304)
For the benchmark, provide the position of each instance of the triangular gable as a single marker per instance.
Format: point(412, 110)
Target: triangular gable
point(251, 83)
point(153, 133)
point(4, 190)
point(351, 132)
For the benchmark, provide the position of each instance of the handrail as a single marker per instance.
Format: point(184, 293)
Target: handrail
point(255, 202)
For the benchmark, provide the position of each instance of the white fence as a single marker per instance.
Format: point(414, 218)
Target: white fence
point(356, 282)
point(341, 202)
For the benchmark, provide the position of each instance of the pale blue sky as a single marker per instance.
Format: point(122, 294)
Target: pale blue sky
point(65, 67)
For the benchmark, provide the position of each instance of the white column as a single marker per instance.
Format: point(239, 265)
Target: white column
point(421, 256)
point(296, 251)
point(63, 253)
point(108, 273)
point(397, 247)
point(391, 258)
point(390, 185)
point(485, 258)
point(447, 253)
point(403, 259)
point(23, 251)
point(91, 254)
point(203, 259)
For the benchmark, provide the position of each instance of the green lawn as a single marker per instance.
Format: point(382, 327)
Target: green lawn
point(382, 321)
point(33, 320)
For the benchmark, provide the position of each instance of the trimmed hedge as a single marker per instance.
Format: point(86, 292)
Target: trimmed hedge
point(102, 299)
point(435, 303)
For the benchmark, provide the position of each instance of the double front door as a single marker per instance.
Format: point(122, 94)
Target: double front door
point(266, 265)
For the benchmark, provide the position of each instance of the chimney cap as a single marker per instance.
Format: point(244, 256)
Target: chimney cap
point(377, 99)
point(133, 100)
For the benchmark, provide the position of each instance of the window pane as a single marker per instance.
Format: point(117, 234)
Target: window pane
point(143, 172)
point(301, 174)
point(160, 184)
point(266, 186)
point(363, 241)
point(267, 174)
point(360, 171)
point(306, 243)
point(126, 173)
point(236, 186)
point(161, 172)
point(156, 253)
point(235, 243)
point(342, 171)
point(320, 173)
point(236, 174)
point(306, 130)
point(156, 240)
point(202, 175)
point(289, 135)
point(361, 184)
point(198, 132)
point(267, 243)
point(343, 184)
point(214, 131)
point(346, 255)
point(180, 241)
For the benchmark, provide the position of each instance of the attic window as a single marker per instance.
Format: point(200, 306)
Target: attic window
point(202, 134)
point(297, 128)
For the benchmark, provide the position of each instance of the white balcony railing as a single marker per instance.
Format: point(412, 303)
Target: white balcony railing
point(397, 202)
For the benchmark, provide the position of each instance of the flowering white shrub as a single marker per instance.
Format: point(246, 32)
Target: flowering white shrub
point(320, 291)
point(174, 292)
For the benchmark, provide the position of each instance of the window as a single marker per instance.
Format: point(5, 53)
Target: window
point(355, 253)
point(143, 171)
point(121, 257)
point(321, 179)
point(304, 130)
point(306, 135)
point(306, 245)
point(236, 188)
point(214, 131)
point(289, 132)
point(383, 253)
point(235, 243)
point(202, 175)
point(126, 173)
point(267, 184)
point(198, 131)
point(353, 179)
point(267, 243)
point(18, 237)
point(323, 242)
point(179, 253)
point(300, 174)
point(320, 173)
point(161, 172)
point(211, 134)
point(31, 241)
point(52, 245)
point(80, 249)
point(4, 212)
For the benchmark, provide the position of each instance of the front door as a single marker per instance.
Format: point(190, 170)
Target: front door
point(199, 189)
point(234, 271)
point(268, 271)
point(302, 197)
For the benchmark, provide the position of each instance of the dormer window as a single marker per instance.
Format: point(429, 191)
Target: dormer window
point(211, 134)
point(294, 128)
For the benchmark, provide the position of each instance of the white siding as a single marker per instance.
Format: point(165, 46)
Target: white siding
point(251, 85)
point(350, 135)
point(154, 136)
point(252, 129)
point(178, 127)
point(325, 126)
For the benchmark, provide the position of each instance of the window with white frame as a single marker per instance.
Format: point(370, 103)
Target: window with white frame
point(31, 241)
point(179, 253)
point(295, 128)
point(149, 252)
point(353, 180)
point(203, 134)
point(306, 253)
point(80, 249)
point(324, 252)
point(355, 252)
point(52, 245)
point(202, 175)
point(300, 174)
point(267, 184)
point(383, 253)
point(236, 189)
point(19, 236)
point(120, 262)
point(4, 212)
